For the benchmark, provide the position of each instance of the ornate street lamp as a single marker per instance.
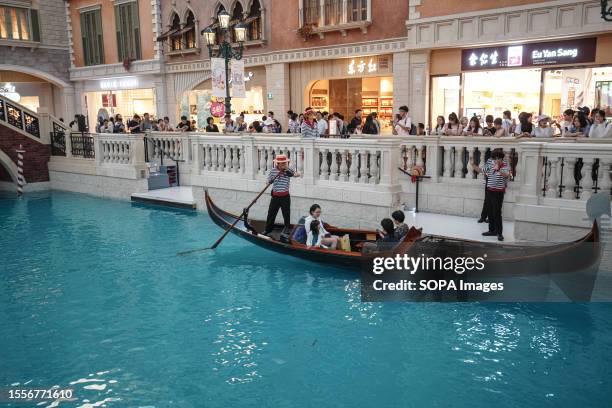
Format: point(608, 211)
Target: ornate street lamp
point(606, 10)
point(225, 49)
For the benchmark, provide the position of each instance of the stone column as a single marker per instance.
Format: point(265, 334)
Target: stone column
point(277, 84)
point(411, 83)
point(161, 99)
point(401, 80)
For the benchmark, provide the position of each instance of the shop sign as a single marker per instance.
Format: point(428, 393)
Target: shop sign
point(217, 109)
point(8, 91)
point(528, 55)
point(360, 66)
point(119, 83)
point(109, 101)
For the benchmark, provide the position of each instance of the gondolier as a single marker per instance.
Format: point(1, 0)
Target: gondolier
point(280, 192)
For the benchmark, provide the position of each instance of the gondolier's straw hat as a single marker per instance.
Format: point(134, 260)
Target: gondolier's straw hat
point(281, 158)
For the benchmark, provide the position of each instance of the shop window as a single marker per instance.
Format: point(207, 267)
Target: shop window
point(127, 25)
point(493, 92)
point(91, 33)
point(577, 87)
point(175, 40)
point(444, 97)
point(253, 22)
point(19, 24)
point(189, 32)
point(311, 10)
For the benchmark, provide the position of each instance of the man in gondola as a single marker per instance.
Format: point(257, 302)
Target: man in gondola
point(280, 192)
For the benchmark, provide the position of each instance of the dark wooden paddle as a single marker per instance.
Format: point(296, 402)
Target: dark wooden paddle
point(217, 242)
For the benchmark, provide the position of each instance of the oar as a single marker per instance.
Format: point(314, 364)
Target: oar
point(216, 244)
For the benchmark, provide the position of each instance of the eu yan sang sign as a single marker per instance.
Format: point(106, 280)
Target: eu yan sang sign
point(529, 55)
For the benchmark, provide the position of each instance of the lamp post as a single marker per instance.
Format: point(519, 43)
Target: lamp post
point(225, 50)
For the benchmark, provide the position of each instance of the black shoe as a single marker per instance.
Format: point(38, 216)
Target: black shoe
point(488, 234)
point(500, 237)
point(480, 221)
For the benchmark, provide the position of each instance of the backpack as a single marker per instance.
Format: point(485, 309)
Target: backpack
point(300, 232)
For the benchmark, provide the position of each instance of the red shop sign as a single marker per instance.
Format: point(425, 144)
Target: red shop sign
point(217, 109)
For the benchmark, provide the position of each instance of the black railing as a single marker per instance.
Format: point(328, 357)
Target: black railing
point(82, 145)
point(14, 117)
point(158, 149)
point(2, 117)
point(58, 143)
point(31, 124)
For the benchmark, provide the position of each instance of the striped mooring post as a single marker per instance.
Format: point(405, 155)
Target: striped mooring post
point(20, 178)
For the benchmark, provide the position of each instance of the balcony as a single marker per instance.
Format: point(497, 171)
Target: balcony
point(322, 16)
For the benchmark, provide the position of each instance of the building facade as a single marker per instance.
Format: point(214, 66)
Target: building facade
point(34, 55)
point(342, 55)
point(534, 56)
point(115, 61)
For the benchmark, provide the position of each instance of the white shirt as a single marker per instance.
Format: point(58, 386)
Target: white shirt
point(310, 235)
point(407, 122)
point(542, 132)
point(600, 130)
point(322, 126)
point(507, 124)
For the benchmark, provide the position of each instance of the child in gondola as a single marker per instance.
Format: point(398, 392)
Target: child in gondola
point(314, 238)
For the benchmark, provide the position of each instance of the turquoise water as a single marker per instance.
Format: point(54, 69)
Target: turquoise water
point(94, 298)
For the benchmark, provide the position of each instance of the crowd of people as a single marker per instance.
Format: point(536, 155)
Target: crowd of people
point(582, 122)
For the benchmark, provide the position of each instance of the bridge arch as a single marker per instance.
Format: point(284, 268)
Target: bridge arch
point(9, 165)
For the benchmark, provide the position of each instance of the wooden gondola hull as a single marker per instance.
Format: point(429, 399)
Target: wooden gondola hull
point(503, 259)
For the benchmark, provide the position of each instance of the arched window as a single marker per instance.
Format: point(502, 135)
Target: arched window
point(220, 33)
point(189, 36)
point(237, 15)
point(175, 39)
point(254, 27)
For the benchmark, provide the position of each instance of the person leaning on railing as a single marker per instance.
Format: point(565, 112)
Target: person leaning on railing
point(452, 127)
point(600, 128)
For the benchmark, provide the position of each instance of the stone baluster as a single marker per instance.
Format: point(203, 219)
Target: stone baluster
point(354, 171)
point(205, 158)
point(241, 158)
point(552, 183)
point(262, 160)
point(235, 160)
point(604, 176)
point(447, 161)
point(334, 165)
point(458, 162)
point(299, 157)
point(363, 168)
point(419, 156)
point(402, 161)
point(343, 166)
point(325, 165)
point(269, 160)
point(409, 157)
point(374, 167)
point(568, 178)
point(471, 162)
point(228, 159)
point(587, 178)
point(214, 151)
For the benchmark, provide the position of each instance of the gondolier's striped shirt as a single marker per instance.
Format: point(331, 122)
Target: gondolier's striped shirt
point(281, 184)
point(495, 181)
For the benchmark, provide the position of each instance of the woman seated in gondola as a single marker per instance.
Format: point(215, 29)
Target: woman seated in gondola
point(314, 238)
point(327, 240)
point(386, 238)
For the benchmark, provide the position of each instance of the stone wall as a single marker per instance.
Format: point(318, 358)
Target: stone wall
point(52, 15)
point(100, 186)
point(51, 61)
point(35, 159)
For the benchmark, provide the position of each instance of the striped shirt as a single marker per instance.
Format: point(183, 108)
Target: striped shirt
point(495, 181)
point(281, 184)
point(309, 131)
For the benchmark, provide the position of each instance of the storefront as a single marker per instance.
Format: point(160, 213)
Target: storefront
point(345, 85)
point(547, 77)
point(196, 103)
point(30, 91)
point(127, 96)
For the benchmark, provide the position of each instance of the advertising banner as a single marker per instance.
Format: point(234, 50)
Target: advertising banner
point(238, 87)
point(217, 68)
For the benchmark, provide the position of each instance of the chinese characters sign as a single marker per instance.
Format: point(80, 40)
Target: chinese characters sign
point(527, 55)
point(362, 66)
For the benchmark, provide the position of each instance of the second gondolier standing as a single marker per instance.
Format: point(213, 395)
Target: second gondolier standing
point(280, 192)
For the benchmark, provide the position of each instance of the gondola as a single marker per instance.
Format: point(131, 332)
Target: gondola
point(501, 258)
